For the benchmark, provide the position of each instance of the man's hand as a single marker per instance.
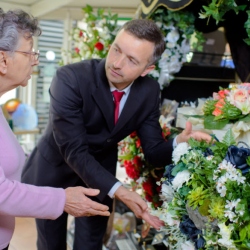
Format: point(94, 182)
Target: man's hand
point(78, 205)
point(187, 133)
point(138, 206)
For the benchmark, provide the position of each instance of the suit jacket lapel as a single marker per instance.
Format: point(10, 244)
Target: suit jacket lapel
point(130, 107)
point(103, 96)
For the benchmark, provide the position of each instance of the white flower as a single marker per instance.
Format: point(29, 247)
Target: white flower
point(173, 36)
point(167, 192)
point(170, 45)
point(181, 178)
point(159, 24)
point(170, 221)
point(154, 73)
point(240, 212)
point(231, 215)
point(215, 177)
point(227, 243)
point(185, 47)
point(175, 58)
point(166, 54)
point(187, 245)
point(209, 157)
point(232, 204)
point(181, 149)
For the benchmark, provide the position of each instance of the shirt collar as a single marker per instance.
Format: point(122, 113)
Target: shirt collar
point(126, 90)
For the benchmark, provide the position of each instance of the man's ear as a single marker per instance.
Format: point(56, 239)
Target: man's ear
point(147, 70)
point(3, 62)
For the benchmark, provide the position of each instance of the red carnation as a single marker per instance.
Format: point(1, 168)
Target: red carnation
point(77, 50)
point(80, 33)
point(131, 170)
point(99, 46)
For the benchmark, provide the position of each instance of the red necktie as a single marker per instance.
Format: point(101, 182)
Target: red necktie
point(118, 96)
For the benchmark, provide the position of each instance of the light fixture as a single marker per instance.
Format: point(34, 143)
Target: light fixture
point(50, 55)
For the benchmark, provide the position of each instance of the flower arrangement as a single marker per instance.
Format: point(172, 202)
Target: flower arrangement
point(96, 39)
point(228, 106)
point(142, 174)
point(205, 194)
point(177, 27)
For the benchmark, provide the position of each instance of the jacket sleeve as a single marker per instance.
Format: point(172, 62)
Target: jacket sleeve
point(70, 134)
point(23, 200)
point(157, 151)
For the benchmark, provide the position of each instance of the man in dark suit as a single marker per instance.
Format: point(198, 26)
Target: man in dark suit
point(79, 146)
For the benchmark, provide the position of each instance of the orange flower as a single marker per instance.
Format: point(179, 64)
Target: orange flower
point(217, 112)
point(218, 105)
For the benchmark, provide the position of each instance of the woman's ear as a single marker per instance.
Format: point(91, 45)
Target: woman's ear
point(3, 63)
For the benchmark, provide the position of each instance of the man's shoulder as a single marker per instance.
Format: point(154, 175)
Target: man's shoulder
point(81, 66)
point(149, 83)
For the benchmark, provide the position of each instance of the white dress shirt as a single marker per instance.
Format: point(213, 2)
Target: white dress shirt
point(121, 105)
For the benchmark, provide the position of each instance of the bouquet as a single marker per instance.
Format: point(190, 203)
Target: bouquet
point(142, 174)
point(206, 196)
point(228, 106)
point(95, 40)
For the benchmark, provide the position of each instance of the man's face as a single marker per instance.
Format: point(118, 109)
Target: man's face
point(127, 59)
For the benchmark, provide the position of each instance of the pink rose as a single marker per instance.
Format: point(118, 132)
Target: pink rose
point(240, 99)
point(238, 95)
point(216, 96)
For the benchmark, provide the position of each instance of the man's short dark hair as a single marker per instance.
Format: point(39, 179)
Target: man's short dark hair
point(148, 30)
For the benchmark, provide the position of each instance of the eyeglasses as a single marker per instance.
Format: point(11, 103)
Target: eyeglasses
point(34, 55)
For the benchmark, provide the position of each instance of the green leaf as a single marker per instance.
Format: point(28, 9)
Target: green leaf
point(203, 180)
point(245, 119)
point(248, 160)
point(209, 123)
point(179, 168)
point(126, 157)
point(205, 207)
point(243, 233)
point(195, 116)
point(228, 139)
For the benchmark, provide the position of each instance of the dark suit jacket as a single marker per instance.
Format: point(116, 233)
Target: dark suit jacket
point(80, 141)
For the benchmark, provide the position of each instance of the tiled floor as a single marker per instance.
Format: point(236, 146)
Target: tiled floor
point(25, 234)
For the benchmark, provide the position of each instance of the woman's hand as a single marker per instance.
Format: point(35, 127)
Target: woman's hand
point(78, 205)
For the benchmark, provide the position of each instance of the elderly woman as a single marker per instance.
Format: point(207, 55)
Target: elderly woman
point(17, 59)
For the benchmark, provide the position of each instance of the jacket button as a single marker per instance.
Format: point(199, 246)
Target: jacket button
point(108, 140)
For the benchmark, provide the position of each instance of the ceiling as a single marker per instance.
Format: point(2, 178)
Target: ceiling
point(60, 9)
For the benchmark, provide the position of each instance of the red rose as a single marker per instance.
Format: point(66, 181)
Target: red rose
point(99, 46)
point(138, 143)
point(77, 50)
point(137, 161)
point(168, 133)
point(80, 33)
point(147, 186)
point(149, 198)
point(158, 189)
point(133, 135)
